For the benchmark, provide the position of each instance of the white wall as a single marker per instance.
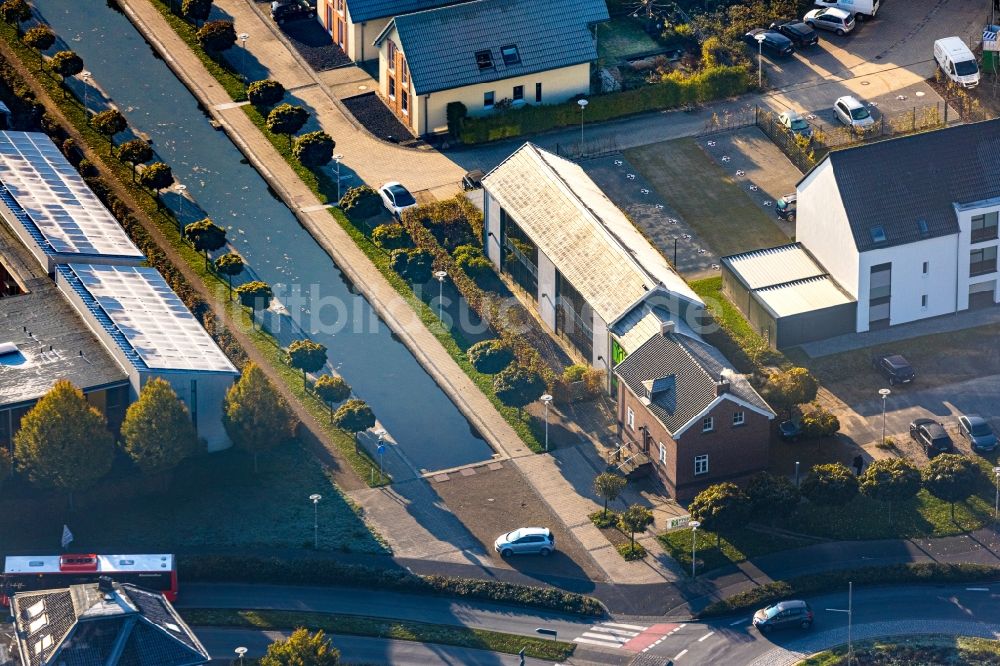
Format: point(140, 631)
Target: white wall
point(821, 225)
point(602, 343)
point(966, 282)
point(546, 290)
point(492, 222)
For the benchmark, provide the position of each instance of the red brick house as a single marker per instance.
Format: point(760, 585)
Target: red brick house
point(688, 417)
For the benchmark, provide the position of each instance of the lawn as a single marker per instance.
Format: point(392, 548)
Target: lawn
point(735, 547)
point(917, 650)
point(214, 502)
point(622, 38)
point(736, 339)
point(705, 197)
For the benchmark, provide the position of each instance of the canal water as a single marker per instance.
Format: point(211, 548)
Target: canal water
point(421, 420)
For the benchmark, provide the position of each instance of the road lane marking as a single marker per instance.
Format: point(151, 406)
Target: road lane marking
point(733, 624)
point(705, 636)
point(978, 589)
point(587, 641)
point(616, 632)
point(633, 627)
point(681, 654)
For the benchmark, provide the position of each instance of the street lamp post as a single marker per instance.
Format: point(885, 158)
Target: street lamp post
point(996, 501)
point(315, 497)
point(85, 75)
point(583, 105)
point(380, 450)
point(240, 653)
point(336, 159)
point(850, 621)
point(243, 56)
point(181, 188)
point(884, 392)
point(760, 59)
point(546, 400)
point(694, 547)
point(441, 275)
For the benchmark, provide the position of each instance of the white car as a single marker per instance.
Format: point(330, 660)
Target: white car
point(795, 123)
point(853, 113)
point(396, 198)
point(833, 19)
point(526, 541)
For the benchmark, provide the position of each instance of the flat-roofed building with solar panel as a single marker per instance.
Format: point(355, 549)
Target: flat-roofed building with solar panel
point(151, 332)
point(50, 207)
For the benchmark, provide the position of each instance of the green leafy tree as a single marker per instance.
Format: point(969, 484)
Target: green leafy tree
point(634, 519)
point(361, 203)
point(196, 11)
point(263, 94)
point(331, 389)
point(307, 356)
point(255, 295)
point(15, 12)
point(787, 388)
point(819, 422)
point(518, 387)
point(392, 237)
point(157, 176)
point(608, 487)
point(951, 478)
point(134, 153)
point(720, 508)
point(6, 466)
point(40, 37)
point(830, 485)
point(314, 149)
point(217, 36)
point(354, 416)
point(891, 481)
point(255, 415)
point(490, 356)
point(414, 265)
point(109, 123)
point(230, 265)
point(301, 649)
point(772, 495)
point(206, 236)
point(157, 430)
point(66, 64)
point(287, 119)
point(63, 442)
point(473, 262)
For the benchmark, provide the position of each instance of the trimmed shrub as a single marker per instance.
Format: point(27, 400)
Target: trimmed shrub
point(414, 265)
point(490, 356)
point(217, 36)
point(819, 422)
point(604, 519)
point(448, 221)
point(830, 485)
point(361, 203)
point(391, 237)
point(475, 264)
point(456, 113)
point(518, 387)
point(314, 149)
point(354, 416)
point(631, 551)
point(263, 94)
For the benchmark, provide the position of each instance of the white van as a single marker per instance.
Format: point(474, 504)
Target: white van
point(956, 61)
point(862, 9)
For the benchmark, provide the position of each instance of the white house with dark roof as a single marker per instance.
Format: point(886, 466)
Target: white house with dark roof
point(486, 54)
point(593, 278)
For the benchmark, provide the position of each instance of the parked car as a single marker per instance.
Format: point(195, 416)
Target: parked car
point(782, 615)
point(894, 367)
point(853, 113)
point(289, 10)
point(797, 31)
point(473, 180)
point(785, 207)
point(833, 19)
point(978, 431)
point(526, 541)
point(862, 9)
point(790, 431)
point(931, 435)
point(774, 42)
point(957, 61)
point(396, 198)
point(795, 123)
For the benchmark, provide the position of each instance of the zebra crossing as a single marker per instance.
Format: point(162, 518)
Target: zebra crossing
point(610, 634)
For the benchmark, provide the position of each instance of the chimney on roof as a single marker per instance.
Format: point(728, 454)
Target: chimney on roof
point(722, 387)
point(666, 328)
point(106, 587)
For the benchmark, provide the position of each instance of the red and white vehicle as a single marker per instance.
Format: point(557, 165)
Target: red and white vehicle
point(44, 572)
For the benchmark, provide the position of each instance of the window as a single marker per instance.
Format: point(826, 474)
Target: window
point(922, 228)
point(538, 93)
point(707, 424)
point(391, 56)
point(984, 227)
point(663, 454)
point(404, 72)
point(484, 60)
point(405, 102)
point(488, 99)
point(630, 419)
point(194, 404)
point(701, 465)
point(739, 418)
point(983, 260)
point(392, 88)
point(518, 93)
point(923, 301)
point(878, 234)
point(510, 55)
point(926, 267)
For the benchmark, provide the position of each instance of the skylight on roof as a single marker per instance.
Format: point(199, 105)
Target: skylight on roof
point(922, 227)
point(878, 234)
point(510, 55)
point(484, 60)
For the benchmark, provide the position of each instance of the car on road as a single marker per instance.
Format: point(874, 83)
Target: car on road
point(795, 123)
point(785, 207)
point(853, 113)
point(773, 42)
point(894, 368)
point(978, 431)
point(789, 430)
point(783, 615)
point(832, 19)
point(289, 10)
point(396, 198)
point(526, 541)
point(861, 9)
point(931, 435)
point(802, 36)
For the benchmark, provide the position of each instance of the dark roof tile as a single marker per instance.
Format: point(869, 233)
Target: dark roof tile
point(366, 10)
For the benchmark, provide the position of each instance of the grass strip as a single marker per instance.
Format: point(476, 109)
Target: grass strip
point(747, 349)
point(360, 625)
point(920, 649)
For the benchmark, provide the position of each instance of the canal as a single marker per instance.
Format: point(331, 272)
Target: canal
point(425, 425)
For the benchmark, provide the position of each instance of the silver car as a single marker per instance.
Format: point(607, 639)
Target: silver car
point(526, 541)
point(853, 113)
point(832, 19)
point(977, 430)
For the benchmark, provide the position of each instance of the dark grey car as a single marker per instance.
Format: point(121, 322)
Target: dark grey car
point(979, 433)
point(931, 435)
point(782, 615)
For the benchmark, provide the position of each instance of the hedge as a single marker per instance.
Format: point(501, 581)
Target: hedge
point(710, 84)
point(251, 569)
point(920, 572)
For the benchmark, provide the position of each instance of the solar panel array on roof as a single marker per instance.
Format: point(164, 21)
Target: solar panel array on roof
point(147, 320)
point(54, 204)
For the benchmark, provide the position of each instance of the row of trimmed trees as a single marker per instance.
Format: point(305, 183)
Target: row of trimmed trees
point(313, 149)
point(635, 518)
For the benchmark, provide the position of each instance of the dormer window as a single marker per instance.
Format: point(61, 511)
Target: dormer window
point(922, 228)
point(878, 235)
point(510, 55)
point(484, 60)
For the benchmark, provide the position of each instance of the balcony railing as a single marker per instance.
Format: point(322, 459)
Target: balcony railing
point(983, 267)
point(984, 234)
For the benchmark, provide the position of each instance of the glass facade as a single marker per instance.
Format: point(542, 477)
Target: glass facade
point(574, 317)
point(520, 255)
